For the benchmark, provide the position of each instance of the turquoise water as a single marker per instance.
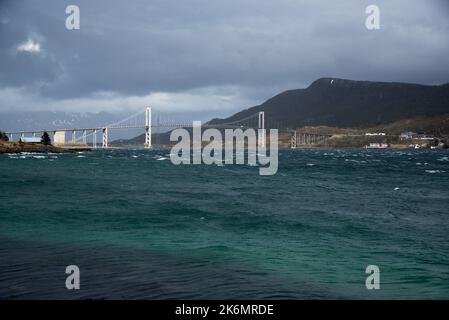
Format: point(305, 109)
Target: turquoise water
point(140, 227)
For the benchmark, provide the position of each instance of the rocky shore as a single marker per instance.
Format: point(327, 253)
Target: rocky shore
point(18, 147)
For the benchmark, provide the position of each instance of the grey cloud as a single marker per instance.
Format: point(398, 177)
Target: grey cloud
point(262, 47)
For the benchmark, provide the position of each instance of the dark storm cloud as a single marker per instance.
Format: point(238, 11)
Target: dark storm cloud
point(133, 48)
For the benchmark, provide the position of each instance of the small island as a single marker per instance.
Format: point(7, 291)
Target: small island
point(35, 145)
point(18, 147)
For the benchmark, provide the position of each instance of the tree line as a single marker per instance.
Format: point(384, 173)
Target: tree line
point(3, 136)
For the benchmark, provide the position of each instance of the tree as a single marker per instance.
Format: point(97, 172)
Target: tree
point(46, 139)
point(3, 136)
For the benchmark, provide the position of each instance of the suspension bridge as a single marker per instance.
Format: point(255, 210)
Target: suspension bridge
point(140, 120)
point(143, 120)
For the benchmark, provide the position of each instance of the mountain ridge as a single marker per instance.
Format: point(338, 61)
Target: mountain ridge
point(339, 102)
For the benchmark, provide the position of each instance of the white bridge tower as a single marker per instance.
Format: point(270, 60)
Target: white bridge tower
point(105, 137)
point(261, 131)
point(94, 138)
point(147, 127)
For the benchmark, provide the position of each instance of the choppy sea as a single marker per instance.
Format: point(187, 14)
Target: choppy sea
point(139, 227)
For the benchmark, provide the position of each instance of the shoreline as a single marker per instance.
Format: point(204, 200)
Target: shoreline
point(17, 148)
point(284, 147)
point(20, 147)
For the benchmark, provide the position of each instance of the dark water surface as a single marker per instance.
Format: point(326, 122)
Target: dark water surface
point(139, 227)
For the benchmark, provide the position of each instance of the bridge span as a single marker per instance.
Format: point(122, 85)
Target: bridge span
point(80, 135)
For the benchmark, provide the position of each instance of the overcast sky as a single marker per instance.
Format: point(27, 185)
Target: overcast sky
point(212, 56)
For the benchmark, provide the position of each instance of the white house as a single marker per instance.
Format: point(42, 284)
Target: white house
point(375, 134)
point(30, 139)
point(408, 135)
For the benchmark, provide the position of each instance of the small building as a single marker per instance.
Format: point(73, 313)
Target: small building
point(425, 137)
point(30, 140)
point(375, 134)
point(408, 135)
point(377, 146)
point(59, 138)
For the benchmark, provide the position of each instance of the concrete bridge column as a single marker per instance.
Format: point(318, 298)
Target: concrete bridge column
point(94, 138)
point(294, 140)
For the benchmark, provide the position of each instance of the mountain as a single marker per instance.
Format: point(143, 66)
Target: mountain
point(346, 103)
point(333, 102)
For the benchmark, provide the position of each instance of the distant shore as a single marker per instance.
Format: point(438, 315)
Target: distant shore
point(18, 147)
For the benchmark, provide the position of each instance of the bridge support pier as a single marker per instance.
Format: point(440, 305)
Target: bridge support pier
point(105, 137)
point(84, 136)
point(147, 128)
point(261, 132)
point(294, 140)
point(94, 138)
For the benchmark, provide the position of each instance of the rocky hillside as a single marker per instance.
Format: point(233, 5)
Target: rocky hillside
point(346, 103)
